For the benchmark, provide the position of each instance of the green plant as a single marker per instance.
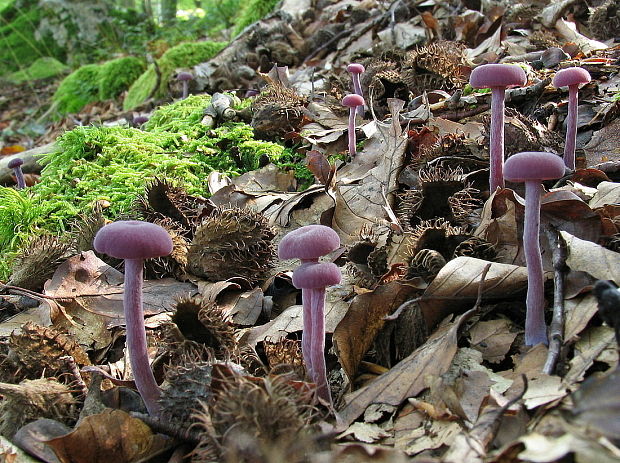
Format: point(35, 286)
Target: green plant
point(42, 68)
point(253, 11)
point(117, 75)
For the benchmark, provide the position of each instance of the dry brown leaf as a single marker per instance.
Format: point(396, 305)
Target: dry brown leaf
point(577, 314)
point(365, 432)
point(548, 449)
point(603, 146)
point(543, 390)
point(492, 338)
point(111, 436)
point(366, 453)
point(589, 348)
point(606, 193)
point(407, 378)
point(266, 179)
point(458, 282)
point(585, 256)
point(357, 330)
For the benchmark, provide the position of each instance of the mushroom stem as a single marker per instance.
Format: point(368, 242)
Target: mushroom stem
point(357, 88)
point(571, 127)
point(317, 349)
point(306, 335)
point(535, 327)
point(19, 177)
point(496, 150)
point(185, 89)
point(352, 150)
point(136, 336)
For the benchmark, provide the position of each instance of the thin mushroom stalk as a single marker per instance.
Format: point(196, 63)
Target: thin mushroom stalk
point(496, 153)
point(317, 348)
point(136, 337)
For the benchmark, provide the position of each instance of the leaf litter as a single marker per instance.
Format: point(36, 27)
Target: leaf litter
point(424, 334)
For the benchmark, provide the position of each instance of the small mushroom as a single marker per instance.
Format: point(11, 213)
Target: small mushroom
point(497, 77)
point(308, 244)
point(16, 165)
point(356, 69)
point(532, 168)
point(352, 101)
point(184, 78)
point(138, 121)
point(571, 78)
point(135, 241)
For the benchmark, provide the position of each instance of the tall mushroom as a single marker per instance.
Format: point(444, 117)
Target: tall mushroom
point(356, 70)
point(16, 165)
point(135, 241)
point(571, 78)
point(532, 168)
point(184, 78)
point(497, 77)
point(352, 101)
point(308, 244)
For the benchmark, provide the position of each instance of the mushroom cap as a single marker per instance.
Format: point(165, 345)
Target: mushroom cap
point(355, 68)
point(529, 165)
point(15, 162)
point(133, 239)
point(352, 100)
point(311, 275)
point(571, 76)
point(139, 120)
point(184, 76)
point(309, 242)
point(497, 75)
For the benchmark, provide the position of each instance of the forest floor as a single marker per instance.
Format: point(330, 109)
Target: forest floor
point(425, 348)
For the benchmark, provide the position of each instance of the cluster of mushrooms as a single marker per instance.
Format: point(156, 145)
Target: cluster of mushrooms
point(135, 241)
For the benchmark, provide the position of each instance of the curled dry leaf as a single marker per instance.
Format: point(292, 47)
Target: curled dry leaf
point(457, 284)
point(407, 378)
point(109, 436)
point(357, 330)
point(589, 257)
point(492, 338)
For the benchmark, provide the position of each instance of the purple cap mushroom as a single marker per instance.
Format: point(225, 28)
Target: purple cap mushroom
point(16, 165)
point(356, 69)
point(135, 241)
point(497, 77)
point(352, 101)
point(184, 78)
point(139, 120)
point(532, 168)
point(308, 244)
point(571, 78)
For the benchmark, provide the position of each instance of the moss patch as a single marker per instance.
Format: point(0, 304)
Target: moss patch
point(96, 82)
point(182, 55)
point(115, 163)
point(42, 68)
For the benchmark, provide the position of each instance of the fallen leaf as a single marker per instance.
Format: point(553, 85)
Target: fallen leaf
point(585, 256)
point(407, 378)
point(606, 193)
point(577, 314)
point(493, 338)
point(109, 436)
point(365, 432)
point(458, 283)
point(589, 348)
point(356, 332)
point(543, 390)
point(603, 146)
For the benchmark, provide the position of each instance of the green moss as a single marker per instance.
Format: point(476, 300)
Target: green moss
point(77, 89)
point(115, 163)
point(95, 82)
point(42, 68)
point(253, 11)
point(117, 75)
point(182, 55)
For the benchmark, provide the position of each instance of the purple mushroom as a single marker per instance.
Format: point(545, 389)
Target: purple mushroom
point(184, 78)
point(352, 101)
point(135, 241)
point(308, 244)
point(16, 165)
point(497, 77)
point(532, 168)
point(571, 78)
point(356, 69)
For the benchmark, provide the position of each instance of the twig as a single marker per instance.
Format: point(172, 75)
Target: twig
point(556, 330)
point(179, 432)
point(75, 372)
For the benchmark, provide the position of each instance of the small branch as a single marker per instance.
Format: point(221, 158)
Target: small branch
point(75, 372)
point(556, 330)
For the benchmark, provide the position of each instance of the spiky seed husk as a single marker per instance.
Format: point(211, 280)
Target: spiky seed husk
point(39, 262)
point(39, 349)
point(187, 384)
point(476, 247)
point(85, 228)
point(445, 58)
point(174, 264)
point(426, 264)
point(232, 242)
point(163, 201)
point(284, 356)
point(31, 400)
point(204, 322)
point(438, 235)
point(252, 417)
point(604, 21)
